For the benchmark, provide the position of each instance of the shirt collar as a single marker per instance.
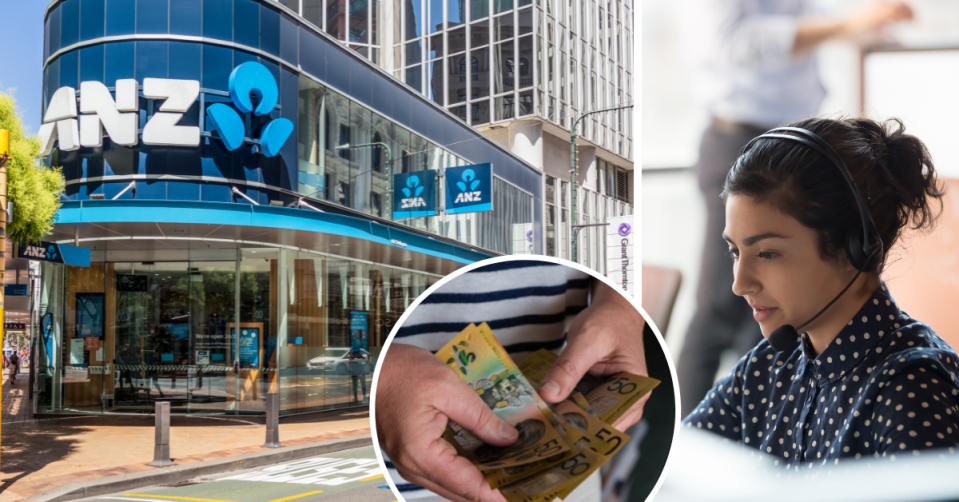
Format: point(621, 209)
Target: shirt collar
point(860, 336)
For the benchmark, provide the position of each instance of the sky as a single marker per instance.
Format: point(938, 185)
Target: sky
point(21, 56)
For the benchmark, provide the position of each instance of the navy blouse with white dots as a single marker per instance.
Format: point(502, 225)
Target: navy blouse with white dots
point(887, 385)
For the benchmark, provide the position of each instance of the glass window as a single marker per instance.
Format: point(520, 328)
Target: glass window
point(214, 12)
point(525, 62)
point(337, 129)
point(454, 13)
point(459, 111)
point(504, 77)
point(479, 9)
point(70, 19)
point(361, 157)
point(503, 27)
point(479, 33)
point(525, 103)
point(246, 23)
point(311, 141)
point(91, 19)
point(480, 112)
point(91, 64)
point(414, 77)
point(313, 12)
point(502, 5)
point(336, 18)
point(457, 40)
point(69, 71)
point(359, 21)
point(436, 15)
point(435, 49)
point(118, 61)
point(151, 16)
point(217, 65)
point(414, 53)
point(120, 20)
point(185, 17)
point(434, 81)
point(401, 154)
point(414, 19)
point(504, 107)
point(525, 21)
point(456, 88)
point(479, 69)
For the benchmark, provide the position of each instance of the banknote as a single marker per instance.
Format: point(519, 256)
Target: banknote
point(483, 364)
point(599, 443)
point(537, 365)
point(618, 394)
point(580, 400)
point(583, 431)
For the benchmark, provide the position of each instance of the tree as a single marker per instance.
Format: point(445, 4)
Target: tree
point(33, 189)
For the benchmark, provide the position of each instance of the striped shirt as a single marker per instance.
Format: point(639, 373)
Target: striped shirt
point(528, 304)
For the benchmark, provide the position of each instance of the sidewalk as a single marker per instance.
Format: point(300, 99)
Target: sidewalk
point(37, 457)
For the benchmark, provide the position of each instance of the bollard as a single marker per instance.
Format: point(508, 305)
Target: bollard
point(161, 452)
point(272, 420)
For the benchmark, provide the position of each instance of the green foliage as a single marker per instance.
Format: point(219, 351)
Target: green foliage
point(33, 189)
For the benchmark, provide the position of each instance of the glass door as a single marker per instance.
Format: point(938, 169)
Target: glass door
point(212, 303)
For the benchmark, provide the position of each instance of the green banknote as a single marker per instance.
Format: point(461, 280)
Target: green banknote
point(483, 364)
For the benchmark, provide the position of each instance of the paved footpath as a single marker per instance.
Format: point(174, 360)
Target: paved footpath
point(346, 476)
point(39, 456)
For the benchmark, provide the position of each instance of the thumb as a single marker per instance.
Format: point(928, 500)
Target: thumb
point(581, 354)
point(464, 407)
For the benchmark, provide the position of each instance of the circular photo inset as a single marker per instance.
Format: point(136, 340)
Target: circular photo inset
point(520, 380)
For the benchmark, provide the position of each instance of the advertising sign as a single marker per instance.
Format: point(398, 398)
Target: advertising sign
point(90, 315)
point(15, 290)
point(249, 347)
point(415, 194)
point(469, 188)
point(55, 253)
point(203, 357)
point(620, 241)
point(358, 330)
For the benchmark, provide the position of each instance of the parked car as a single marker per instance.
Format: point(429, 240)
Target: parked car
point(336, 361)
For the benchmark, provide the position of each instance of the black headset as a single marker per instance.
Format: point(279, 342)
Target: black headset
point(864, 249)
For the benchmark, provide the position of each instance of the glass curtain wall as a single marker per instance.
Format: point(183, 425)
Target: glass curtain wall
point(488, 61)
point(353, 22)
point(346, 153)
point(119, 336)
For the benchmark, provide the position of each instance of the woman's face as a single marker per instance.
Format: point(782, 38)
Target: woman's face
point(777, 266)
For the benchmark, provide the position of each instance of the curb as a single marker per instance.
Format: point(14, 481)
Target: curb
point(179, 473)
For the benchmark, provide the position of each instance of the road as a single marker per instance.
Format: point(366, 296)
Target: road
point(346, 476)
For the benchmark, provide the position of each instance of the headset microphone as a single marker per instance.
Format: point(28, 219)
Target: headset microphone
point(863, 250)
point(787, 337)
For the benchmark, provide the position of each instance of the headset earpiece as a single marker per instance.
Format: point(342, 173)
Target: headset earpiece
point(856, 251)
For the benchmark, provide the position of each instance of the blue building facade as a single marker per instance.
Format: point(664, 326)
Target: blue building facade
point(231, 256)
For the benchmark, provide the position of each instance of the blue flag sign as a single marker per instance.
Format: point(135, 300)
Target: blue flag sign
point(415, 194)
point(469, 188)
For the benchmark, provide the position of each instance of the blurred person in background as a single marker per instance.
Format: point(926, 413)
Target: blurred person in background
point(760, 70)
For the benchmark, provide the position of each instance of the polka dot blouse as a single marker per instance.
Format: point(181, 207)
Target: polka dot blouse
point(885, 386)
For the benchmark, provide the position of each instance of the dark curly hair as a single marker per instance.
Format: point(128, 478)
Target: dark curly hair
point(893, 171)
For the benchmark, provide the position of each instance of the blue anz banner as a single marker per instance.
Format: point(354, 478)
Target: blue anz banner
point(469, 188)
point(415, 194)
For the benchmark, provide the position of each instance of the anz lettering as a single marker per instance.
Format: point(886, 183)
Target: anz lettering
point(119, 116)
point(412, 191)
point(470, 194)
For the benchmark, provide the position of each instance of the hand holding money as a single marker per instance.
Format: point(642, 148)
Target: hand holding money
point(559, 446)
point(597, 346)
point(416, 398)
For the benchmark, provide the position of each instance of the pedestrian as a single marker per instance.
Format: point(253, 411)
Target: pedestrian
point(14, 362)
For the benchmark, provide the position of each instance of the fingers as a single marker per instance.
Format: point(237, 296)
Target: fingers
point(461, 481)
point(463, 406)
point(581, 353)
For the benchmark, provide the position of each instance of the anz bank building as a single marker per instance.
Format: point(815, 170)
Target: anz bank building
point(250, 205)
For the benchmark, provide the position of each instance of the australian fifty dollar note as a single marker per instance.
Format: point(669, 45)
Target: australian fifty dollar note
point(483, 364)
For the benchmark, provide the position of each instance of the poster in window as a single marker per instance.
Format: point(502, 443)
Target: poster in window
point(358, 332)
point(89, 315)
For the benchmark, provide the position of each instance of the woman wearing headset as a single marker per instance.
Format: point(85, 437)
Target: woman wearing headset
point(807, 244)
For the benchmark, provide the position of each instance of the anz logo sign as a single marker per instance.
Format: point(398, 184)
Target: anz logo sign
point(469, 194)
point(412, 192)
point(417, 197)
point(469, 188)
point(99, 111)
